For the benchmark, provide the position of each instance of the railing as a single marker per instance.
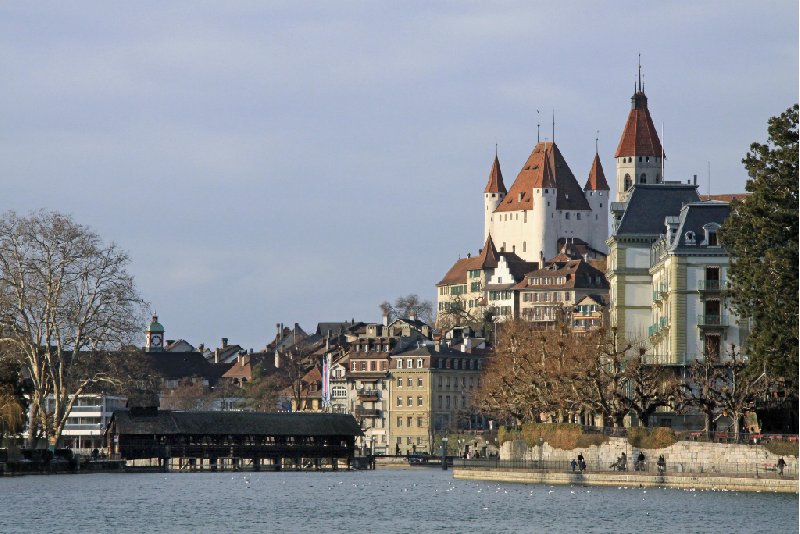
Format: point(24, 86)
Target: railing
point(663, 322)
point(367, 412)
point(368, 393)
point(647, 467)
point(708, 285)
point(83, 426)
point(712, 320)
point(87, 409)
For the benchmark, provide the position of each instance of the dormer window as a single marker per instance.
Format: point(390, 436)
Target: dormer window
point(690, 238)
point(710, 230)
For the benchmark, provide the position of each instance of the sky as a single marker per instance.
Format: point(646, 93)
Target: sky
point(268, 162)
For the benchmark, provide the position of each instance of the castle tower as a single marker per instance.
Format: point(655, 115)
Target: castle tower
point(493, 194)
point(154, 336)
point(639, 154)
point(597, 191)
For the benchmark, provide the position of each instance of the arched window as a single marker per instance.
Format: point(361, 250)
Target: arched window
point(628, 182)
point(643, 179)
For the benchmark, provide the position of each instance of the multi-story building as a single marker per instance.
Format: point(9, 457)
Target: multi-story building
point(87, 421)
point(550, 294)
point(367, 388)
point(475, 285)
point(688, 266)
point(544, 204)
point(431, 387)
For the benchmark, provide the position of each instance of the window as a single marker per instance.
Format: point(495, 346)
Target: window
point(578, 216)
point(399, 363)
point(399, 422)
point(373, 365)
point(410, 401)
point(419, 363)
point(419, 382)
point(399, 401)
point(363, 366)
point(409, 363)
point(355, 366)
point(440, 401)
point(419, 401)
point(447, 401)
point(409, 421)
point(410, 382)
point(690, 238)
point(643, 178)
point(628, 182)
point(399, 382)
point(566, 215)
point(419, 422)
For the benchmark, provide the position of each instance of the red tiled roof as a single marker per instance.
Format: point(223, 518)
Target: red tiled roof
point(488, 256)
point(725, 197)
point(639, 137)
point(545, 168)
point(495, 184)
point(597, 180)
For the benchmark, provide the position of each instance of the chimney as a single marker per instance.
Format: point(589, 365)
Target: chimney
point(216, 355)
point(201, 349)
point(695, 179)
point(412, 315)
point(385, 319)
point(224, 342)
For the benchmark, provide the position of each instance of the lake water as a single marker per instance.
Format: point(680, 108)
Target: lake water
point(383, 501)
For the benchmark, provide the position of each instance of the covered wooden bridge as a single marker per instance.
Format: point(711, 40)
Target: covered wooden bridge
point(232, 440)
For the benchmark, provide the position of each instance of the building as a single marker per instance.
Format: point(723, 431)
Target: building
point(476, 285)
point(430, 394)
point(552, 293)
point(544, 204)
point(688, 266)
point(87, 421)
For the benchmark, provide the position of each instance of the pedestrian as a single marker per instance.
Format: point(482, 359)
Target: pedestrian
point(573, 464)
point(582, 465)
point(781, 465)
point(639, 462)
point(623, 462)
point(662, 464)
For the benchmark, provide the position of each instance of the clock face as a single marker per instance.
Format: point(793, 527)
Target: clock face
point(155, 340)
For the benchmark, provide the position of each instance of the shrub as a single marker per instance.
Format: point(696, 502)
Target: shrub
point(559, 435)
point(651, 438)
point(782, 447)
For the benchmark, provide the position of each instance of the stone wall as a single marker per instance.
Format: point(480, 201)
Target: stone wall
point(683, 456)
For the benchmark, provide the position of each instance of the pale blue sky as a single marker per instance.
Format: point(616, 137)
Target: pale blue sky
point(270, 162)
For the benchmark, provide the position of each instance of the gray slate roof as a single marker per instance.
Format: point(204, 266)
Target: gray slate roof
point(693, 217)
point(648, 205)
point(217, 423)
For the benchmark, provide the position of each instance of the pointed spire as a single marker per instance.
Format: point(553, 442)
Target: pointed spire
point(597, 179)
point(640, 137)
point(495, 184)
point(488, 256)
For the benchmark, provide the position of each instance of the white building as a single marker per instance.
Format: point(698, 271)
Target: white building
point(546, 204)
point(87, 421)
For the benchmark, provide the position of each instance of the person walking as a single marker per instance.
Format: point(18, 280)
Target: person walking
point(662, 464)
point(639, 466)
point(573, 464)
point(781, 465)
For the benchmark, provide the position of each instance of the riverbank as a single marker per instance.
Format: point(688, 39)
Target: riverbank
point(674, 481)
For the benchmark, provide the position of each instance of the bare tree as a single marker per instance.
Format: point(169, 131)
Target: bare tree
point(66, 297)
point(405, 307)
point(650, 387)
point(190, 395)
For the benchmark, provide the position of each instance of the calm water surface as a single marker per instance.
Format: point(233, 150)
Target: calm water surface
point(383, 501)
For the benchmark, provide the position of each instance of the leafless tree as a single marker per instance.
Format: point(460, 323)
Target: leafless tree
point(650, 386)
point(65, 297)
point(190, 396)
point(405, 307)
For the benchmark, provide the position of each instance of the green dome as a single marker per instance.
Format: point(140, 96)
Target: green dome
point(155, 326)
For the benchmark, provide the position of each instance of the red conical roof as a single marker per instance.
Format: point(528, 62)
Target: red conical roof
point(495, 184)
point(488, 258)
point(597, 180)
point(639, 137)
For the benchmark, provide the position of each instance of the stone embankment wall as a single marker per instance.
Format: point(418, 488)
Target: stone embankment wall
point(687, 482)
point(682, 457)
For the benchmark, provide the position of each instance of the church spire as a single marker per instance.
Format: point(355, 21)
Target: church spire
point(597, 179)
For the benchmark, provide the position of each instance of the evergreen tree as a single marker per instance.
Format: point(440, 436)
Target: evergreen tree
point(761, 235)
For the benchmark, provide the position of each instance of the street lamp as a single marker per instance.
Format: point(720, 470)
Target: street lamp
point(444, 453)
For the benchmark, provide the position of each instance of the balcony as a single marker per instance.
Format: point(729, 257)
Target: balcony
point(712, 321)
point(708, 285)
point(368, 394)
point(367, 412)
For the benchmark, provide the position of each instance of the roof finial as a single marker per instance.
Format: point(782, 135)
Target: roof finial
point(554, 126)
point(640, 72)
point(596, 137)
point(495, 151)
point(537, 126)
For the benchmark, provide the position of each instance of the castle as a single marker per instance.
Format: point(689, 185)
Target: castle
point(546, 207)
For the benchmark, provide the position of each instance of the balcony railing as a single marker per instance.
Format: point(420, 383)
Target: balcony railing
point(708, 285)
point(369, 393)
point(367, 412)
point(712, 320)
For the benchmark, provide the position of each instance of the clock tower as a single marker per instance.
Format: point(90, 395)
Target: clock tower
point(155, 336)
